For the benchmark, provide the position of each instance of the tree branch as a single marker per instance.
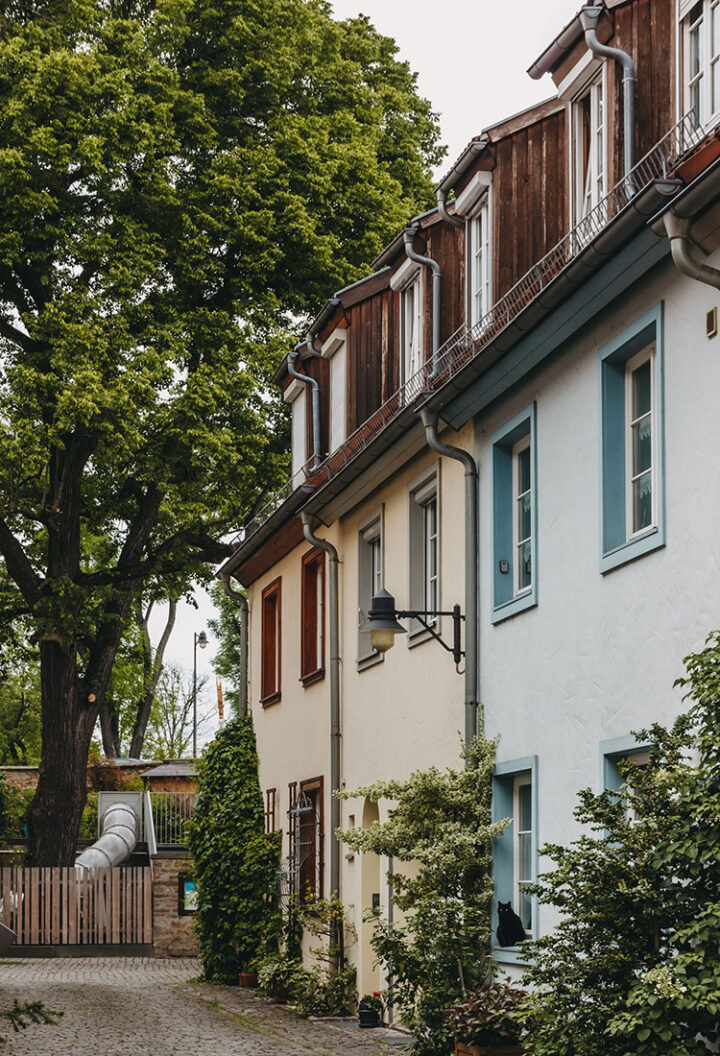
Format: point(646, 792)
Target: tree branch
point(18, 565)
point(17, 336)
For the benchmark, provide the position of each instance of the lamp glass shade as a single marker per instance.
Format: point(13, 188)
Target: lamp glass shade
point(382, 638)
point(202, 639)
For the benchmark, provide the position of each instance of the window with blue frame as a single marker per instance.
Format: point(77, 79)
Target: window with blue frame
point(632, 478)
point(515, 852)
point(514, 488)
point(614, 753)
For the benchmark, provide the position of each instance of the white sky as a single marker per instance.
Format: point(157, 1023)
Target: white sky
point(471, 60)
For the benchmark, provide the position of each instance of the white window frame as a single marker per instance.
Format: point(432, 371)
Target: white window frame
point(645, 355)
point(334, 349)
point(479, 226)
point(371, 561)
point(424, 587)
point(589, 188)
point(520, 781)
point(522, 445)
point(296, 396)
point(700, 108)
point(411, 326)
point(431, 550)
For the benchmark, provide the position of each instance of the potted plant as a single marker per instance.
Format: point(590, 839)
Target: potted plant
point(248, 980)
point(491, 1022)
point(370, 1010)
point(276, 975)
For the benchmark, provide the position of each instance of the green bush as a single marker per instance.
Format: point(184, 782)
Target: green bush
point(236, 862)
point(14, 804)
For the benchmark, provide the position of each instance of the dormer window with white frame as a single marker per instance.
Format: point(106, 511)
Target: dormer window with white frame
point(408, 281)
point(334, 349)
point(589, 147)
point(296, 396)
point(474, 203)
point(700, 59)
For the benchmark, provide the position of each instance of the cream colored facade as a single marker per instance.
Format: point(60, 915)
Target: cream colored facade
point(404, 712)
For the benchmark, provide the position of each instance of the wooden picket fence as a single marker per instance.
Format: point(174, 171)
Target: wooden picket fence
point(69, 907)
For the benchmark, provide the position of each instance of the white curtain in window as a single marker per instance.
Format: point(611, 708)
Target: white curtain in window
point(338, 373)
point(299, 438)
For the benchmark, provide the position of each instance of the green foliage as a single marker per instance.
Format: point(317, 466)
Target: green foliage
point(14, 804)
point(633, 968)
point(19, 699)
point(276, 974)
point(236, 862)
point(21, 1014)
point(491, 1015)
point(442, 823)
point(170, 726)
point(315, 992)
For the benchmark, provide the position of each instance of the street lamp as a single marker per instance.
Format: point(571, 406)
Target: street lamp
point(382, 624)
point(198, 640)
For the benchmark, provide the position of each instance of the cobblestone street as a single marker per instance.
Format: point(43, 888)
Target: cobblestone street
point(151, 1007)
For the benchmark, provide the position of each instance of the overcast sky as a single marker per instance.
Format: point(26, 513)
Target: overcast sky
point(471, 61)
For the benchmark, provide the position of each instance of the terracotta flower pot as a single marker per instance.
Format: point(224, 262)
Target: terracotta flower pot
point(461, 1049)
point(248, 980)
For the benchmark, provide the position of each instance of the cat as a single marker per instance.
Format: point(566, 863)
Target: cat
point(510, 930)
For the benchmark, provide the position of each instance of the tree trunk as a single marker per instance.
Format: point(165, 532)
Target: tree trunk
point(68, 723)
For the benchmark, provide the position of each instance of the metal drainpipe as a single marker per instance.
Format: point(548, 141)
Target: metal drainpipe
point(238, 595)
point(678, 231)
point(315, 388)
point(589, 19)
point(430, 421)
point(408, 236)
point(441, 195)
point(335, 734)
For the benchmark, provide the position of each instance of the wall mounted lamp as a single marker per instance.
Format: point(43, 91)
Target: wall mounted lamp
point(382, 624)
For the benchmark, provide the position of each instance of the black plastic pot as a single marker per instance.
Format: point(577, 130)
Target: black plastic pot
point(368, 1017)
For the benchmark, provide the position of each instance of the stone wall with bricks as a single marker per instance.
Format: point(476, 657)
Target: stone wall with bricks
point(173, 934)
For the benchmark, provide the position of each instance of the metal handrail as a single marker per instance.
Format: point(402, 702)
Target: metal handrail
point(468, 342)
point(170, 811)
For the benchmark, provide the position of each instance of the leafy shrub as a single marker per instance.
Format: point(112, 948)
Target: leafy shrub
point(277, 972)
point(236, 862)
point(492, 1015)
point(14, 805)
point(315, 992)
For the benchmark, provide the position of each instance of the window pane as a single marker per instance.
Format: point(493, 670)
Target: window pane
point(641, 390)
point(642, 445)
point(525, 812)
point(695, 48)
point(524, 469)
point(642, 502)
point(524, 857)
point(525, 565)
point(524, 516)
point(525, 910)
point(715, 18)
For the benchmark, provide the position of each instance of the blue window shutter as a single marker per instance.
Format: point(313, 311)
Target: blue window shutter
point(503, 525)
point(502, 853)
point(613, 451)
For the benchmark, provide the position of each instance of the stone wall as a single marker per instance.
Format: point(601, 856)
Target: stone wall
point(173, 935)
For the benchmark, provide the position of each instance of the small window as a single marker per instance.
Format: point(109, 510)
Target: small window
point(411, 326)
point(480, 263)
point(514, 516)
point(296, 396)
point(632, 469)
point(270, 647)
point(588, 134)
point(424, 553)
point(313, 617)
point(370, 581)
point(515, 852)
point(700, 59)
point(338, 399)
point(270, 809)
point(306, 840)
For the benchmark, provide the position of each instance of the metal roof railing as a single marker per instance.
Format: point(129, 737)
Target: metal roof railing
point(468, 342)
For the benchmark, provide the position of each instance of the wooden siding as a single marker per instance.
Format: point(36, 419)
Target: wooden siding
point(66, 907)
point(370, 352)
point(446, 245)
point(529, 194)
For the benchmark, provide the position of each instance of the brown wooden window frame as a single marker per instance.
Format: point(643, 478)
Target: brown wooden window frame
point(271, 643)
point(315, 892)
point(312, 666)
point(270, 809)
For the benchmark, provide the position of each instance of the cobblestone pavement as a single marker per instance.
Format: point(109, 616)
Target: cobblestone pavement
point(150, 1007)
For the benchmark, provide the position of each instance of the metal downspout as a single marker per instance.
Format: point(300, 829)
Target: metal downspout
point(472, 666)
point(334, 636)
point(678, 231)
point(408, 236)
point(441, 195)
point(589, 19)
point(315, 388)
point(237, 595)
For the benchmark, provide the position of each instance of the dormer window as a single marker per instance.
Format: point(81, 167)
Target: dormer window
point(700, 55)
point(296, 396)
point(408, 281)
point(474, 204)
point(335, 350)
point(588, 143)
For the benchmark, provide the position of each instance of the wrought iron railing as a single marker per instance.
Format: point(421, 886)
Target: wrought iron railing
point(170, 813)
point(468, 342)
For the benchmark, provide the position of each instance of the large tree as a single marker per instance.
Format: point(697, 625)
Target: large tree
point(180, 179)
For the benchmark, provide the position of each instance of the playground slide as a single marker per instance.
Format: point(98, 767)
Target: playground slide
point(117, 841)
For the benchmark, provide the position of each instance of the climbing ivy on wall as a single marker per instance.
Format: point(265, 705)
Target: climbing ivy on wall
point(236, 862)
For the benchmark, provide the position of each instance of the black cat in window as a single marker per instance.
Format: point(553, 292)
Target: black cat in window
point(510, 929)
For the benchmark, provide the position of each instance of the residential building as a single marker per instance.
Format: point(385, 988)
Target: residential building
point(531, 436)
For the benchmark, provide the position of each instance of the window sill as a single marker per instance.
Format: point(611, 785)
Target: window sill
point(364, 662)
point(653, 539)
point(418, 637)
point(514, 606)
point(272, 698)
point(510, 955)
point(313, 676)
